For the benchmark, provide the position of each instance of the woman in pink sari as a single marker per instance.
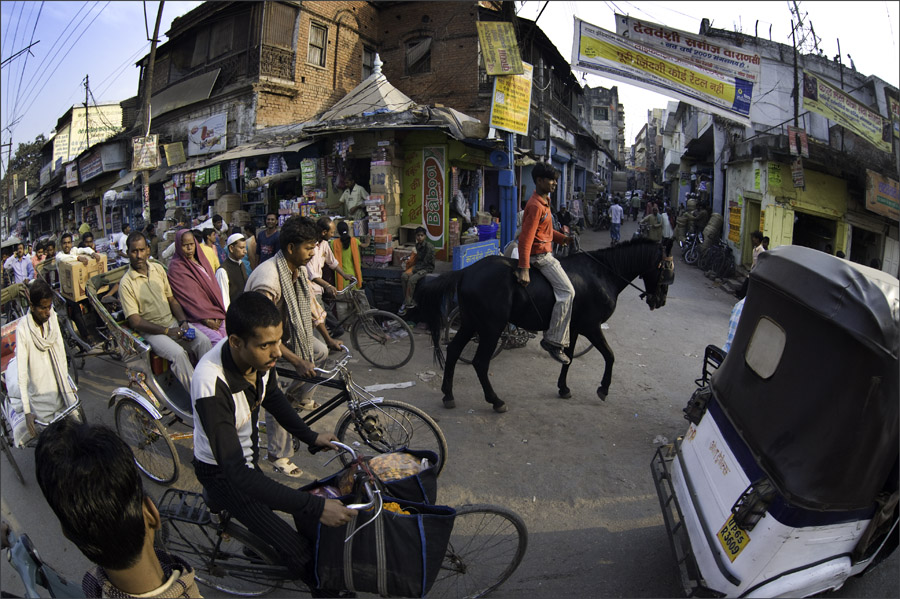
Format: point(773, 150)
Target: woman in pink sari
point(194, 286)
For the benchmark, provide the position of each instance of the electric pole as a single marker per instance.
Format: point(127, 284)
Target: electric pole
point(148, 88)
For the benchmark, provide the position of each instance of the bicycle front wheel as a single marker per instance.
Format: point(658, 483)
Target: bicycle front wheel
point(241, 565)
point(582, 346)
point(384, 339)
point(486, 546)
point(392, 425)
point(154, 452)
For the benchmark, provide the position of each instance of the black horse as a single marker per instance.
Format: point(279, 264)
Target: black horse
point(489, 296)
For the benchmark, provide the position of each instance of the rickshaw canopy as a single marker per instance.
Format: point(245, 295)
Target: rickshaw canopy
point(811, 381)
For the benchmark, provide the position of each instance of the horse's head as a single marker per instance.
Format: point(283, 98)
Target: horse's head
point(658, 278)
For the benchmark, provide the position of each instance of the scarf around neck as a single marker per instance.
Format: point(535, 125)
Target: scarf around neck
point(295, 294)
point(53, 345)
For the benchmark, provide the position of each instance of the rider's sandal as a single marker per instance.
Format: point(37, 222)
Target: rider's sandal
point(309, 405)
point(285, 466)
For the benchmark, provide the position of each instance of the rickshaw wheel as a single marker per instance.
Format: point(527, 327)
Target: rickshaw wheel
point(154, 452)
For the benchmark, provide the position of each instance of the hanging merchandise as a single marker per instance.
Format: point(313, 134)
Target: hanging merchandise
point(274, 165)
point(283, 162)
point(201, 178)
point(213, 174)
point(308, 172)
point(233, 170)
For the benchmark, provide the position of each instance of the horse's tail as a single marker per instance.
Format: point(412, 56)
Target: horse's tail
point(431, 298)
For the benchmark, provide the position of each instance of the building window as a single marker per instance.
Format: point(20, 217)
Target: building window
point(221, 38)
point(318, 40)
point(368, 62)
point(601, 113)
point(418, 56)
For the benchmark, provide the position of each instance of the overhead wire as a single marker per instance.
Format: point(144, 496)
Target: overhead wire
point(15, 35)
point(22, 74)
point(70, 47)
point(3, 44)
point(118, 71)
point(47, 60)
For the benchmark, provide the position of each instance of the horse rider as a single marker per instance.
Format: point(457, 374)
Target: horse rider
point(536, 249)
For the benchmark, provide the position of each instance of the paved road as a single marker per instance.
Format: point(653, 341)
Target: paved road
point(577, 470)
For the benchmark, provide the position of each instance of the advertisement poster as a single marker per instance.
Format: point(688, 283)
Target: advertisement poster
point(145, 153)
point(895, 115)
point(756, 179)
point(90, 166)
point(798, 141)
point(731, 61)
point(835, 105)
point(882, 195)
point(207, 136)
point(797, 172)
point(774, 176)
point(734, 224)
point(499, 48)
point(511, 105)
point(601, 52)
point(71, 175)
point(175, 153)
point(433, 186)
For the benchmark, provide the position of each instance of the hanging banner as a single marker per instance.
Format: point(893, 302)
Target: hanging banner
point(72, 174)
point(511, 104)
point(797, 172)
point(145, 153)
point(433, 185)
point(835, 105)
point(730, 61)
point(895, 115)
point(601, 52)
point(882, 195)
point(207, 136)
point(499, 48)
point(798, 141)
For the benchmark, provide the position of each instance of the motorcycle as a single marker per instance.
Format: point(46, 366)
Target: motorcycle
point(786, 480)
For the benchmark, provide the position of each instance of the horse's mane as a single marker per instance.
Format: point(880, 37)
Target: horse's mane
point(615, 256)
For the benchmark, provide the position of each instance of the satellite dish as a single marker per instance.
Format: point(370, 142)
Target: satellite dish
point(499, 159)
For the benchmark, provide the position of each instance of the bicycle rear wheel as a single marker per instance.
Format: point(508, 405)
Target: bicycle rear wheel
point(486, 546)
point(154, 452)
point(582, 346)
point(392, 425)
point(384, 339)
point(454, 322)
point(243, 565)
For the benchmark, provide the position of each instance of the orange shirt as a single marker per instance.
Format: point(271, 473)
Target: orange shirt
point(537, 234)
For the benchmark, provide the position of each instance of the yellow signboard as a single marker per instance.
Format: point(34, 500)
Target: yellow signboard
point(843, 109)
point(774, 170)
point(511, 106)
point(499, 48)
point(734, 224)
point(882, 195)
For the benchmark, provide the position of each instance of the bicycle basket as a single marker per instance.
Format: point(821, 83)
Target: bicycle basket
point(360, 299)
point(397, 555)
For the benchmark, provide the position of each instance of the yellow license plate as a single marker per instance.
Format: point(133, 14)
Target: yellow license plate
point(733, 538)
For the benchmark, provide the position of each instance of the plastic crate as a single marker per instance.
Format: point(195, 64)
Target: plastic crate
point(486, 232)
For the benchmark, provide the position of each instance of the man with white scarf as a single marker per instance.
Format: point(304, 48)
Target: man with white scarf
point(38, 377)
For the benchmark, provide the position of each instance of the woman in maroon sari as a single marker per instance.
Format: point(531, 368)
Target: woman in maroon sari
point(194, 286)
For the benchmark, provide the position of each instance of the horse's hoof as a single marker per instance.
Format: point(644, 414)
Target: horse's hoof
point(601, 394)
point(565, 393)
point(449, 403)
point(500, 407)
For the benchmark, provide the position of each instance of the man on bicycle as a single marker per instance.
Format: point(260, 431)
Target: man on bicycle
point(230, 384)
point(536, 249)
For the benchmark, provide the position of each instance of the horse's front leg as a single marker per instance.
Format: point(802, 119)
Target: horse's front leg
point(459, 341)
point(487, 343)
point(597, 338)
point(564, 391)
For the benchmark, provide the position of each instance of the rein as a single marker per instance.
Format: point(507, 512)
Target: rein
point(644, 292)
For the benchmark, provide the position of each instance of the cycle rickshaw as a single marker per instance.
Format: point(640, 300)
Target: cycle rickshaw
point(786, 481)
point(154, 401)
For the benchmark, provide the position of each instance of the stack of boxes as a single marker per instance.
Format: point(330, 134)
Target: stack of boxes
point(227, 205)
point(73, 276)
point(383, 205)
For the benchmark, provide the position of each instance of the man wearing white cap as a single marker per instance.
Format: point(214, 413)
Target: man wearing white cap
point(231, 274)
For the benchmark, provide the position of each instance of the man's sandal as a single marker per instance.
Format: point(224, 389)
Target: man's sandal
point(285, 466)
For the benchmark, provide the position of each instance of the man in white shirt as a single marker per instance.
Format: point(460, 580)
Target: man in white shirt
point(68, 253)
point(122, 245)
point(231, 275)
point(321, 257)
point(615, 228)
point(353, 199)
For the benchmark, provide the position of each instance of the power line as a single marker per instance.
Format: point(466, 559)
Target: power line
point(120, 70)
point(60, 62)
point(47, 60)
point(21, 75)
point(15, 35)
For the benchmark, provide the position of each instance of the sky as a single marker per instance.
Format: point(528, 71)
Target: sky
point(103, 40)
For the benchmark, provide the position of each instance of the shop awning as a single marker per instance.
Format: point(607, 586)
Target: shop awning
point(248, 150)
point(191, 165)
point(183, 93)
point(127, 179)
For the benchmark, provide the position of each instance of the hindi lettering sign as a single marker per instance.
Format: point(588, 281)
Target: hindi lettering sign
point(511, 105)
point(797, 172)
point(145, 153)
point(756, 179)
point(734, 224)
point(838, 106)
point(601, 52)
point(72, 175)
point(90, 166)
point(730, 61)
point(499, 48)
point(882, 195)
point(798, 141)
point(895, 115)
point(175, 153)
point(774, 172)
point(433, 186)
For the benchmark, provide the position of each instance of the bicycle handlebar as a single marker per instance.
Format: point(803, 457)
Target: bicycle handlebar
point(61, 415)
point(350, 286)
point(337, 367)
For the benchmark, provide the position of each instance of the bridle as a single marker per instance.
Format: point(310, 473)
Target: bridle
point(666, 264)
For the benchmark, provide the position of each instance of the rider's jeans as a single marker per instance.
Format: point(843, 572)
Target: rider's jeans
point(558, 332)
point(176, 353)
point(280, 444)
